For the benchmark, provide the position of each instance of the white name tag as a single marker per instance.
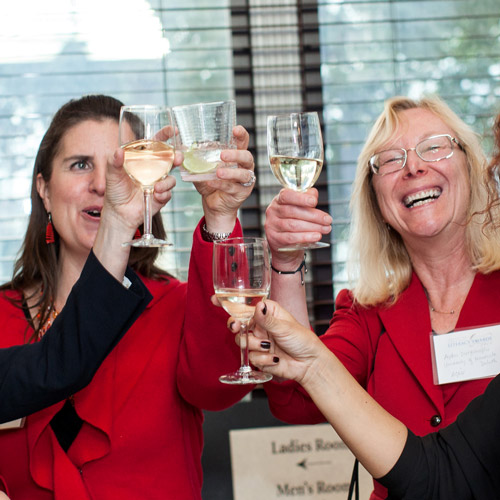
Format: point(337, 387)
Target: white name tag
point(466, 354)
point(13, 424)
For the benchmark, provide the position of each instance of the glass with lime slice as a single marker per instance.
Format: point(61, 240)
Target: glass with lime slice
point(204, 130)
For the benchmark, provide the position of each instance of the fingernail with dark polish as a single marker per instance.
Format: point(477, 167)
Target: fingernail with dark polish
point(265, 344)
point(276, 359)
point(231, 325)
point(264, 309)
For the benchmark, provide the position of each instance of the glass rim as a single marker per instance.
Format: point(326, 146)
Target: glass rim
point(300, 113)
point(126, 107)
point(199, 104)
point(241, 240)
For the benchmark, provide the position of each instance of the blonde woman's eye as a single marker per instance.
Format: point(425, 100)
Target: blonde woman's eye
point(394, 160)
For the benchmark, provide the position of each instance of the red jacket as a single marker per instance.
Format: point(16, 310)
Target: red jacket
point(388, 351)
point(140, 437)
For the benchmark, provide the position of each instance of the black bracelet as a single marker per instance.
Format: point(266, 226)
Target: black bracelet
point(302, 269)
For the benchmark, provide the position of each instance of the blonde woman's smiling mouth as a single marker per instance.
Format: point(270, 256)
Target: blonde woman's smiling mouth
point(422, 197)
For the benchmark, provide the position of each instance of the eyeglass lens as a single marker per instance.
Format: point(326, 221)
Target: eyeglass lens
point(434, 148)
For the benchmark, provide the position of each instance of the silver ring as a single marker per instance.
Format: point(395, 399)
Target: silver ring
point(250, 182)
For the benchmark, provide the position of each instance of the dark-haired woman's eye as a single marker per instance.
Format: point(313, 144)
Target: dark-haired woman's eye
point(80, 165)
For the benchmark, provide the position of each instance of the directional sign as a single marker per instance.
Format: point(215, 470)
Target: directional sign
point(305, 463)
point(293, 461)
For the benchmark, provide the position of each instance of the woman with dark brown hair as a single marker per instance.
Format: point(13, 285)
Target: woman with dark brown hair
point(493, 184)
point(36, 375)
point(136, 430)
point(37, 268)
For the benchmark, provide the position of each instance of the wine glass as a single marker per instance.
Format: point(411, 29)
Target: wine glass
point(242, 278)
point(146, 134)
point(295, 149)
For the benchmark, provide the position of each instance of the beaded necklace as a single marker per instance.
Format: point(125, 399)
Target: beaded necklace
point(51, 316)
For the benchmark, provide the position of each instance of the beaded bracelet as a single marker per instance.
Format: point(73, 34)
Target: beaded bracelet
point(302, 269)
point(208, 236)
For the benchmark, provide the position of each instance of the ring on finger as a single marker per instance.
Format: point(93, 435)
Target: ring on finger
point(251, 182)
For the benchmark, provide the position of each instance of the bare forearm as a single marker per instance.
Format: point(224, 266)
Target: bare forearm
point(288, 291)
point(373, 435)
point(108, 246)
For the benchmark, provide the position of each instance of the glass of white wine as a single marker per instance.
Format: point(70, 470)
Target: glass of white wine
point(148, 140)
point(295, 149)
point(242, 278)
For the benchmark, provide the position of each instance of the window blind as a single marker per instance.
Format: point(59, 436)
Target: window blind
point(139, 51)
point(340, 58)
point(343, 59)
point(372, 50)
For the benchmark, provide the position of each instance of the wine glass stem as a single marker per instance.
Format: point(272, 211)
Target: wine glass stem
point(245, 364)
point(148, 194)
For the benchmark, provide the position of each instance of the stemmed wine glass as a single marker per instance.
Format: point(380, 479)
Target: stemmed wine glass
point(146, 134)
point(242, 278)
point(295, 149)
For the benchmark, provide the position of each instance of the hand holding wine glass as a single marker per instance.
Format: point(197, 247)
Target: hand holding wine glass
point(295, 149)
point(148, 140)
point(241, 274)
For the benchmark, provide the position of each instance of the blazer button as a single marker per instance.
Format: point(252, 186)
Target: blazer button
point(435, 420)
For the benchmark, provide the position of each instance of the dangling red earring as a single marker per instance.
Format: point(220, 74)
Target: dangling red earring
point(49, 231)
point(137, 235)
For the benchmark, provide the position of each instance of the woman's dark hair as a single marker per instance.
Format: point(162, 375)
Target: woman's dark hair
point(36, 268)
point(493, 180)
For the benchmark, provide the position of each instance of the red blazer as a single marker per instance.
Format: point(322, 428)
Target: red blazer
point(140, 438)
point(388, 351)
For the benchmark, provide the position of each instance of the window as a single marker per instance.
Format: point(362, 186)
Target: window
point(340, 58)
point(138, 51)
point(373, 50)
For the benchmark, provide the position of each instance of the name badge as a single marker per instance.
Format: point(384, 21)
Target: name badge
point(13, 424)
point(466, 354)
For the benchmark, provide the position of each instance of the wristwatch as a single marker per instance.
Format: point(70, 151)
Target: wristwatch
point(208, 236)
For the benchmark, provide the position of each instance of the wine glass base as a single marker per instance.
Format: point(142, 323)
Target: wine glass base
point(250, 377)
point(304, 246)
point(147, 242)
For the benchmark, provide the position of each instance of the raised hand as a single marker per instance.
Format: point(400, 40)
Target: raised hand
point(124, 199)
point(290, 350)
point(221, 198)
point(292, 217)
point(122, 213)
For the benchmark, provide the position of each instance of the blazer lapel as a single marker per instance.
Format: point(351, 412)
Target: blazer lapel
point(410, 332)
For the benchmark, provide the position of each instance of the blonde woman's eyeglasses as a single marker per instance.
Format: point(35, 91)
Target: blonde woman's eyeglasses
point(434, 148)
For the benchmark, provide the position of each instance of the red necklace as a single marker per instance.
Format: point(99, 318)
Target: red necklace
point(51, 316)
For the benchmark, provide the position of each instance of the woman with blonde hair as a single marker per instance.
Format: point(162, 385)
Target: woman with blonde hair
point(376, 250)
point(420, 267)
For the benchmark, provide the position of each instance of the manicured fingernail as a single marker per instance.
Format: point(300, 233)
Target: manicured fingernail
point(265, 344)
point(276, 359)
point(264, 309)
point(231, 325)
